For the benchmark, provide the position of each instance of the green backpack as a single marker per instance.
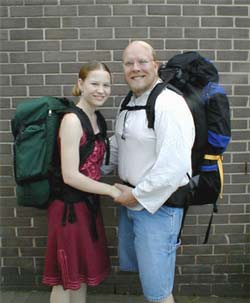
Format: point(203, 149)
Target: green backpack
point(35, 129)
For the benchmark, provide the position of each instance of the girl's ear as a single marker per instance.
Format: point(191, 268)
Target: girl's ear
point(80, 86)
point(80, 83)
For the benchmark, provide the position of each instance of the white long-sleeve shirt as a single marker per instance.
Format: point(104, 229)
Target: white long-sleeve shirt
point(156, 161)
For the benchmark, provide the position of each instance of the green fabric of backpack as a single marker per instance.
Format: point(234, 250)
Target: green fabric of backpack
point(35, 129)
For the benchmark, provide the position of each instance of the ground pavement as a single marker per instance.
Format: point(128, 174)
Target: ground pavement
point(43, 297)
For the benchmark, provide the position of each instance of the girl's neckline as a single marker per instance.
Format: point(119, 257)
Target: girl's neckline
point(96, 133)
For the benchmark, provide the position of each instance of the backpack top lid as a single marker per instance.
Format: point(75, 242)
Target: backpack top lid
point(189, 67)
point(29, 111)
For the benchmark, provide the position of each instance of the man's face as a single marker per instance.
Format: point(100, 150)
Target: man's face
point(140, 68)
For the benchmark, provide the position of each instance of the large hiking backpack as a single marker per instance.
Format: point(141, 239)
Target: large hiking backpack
point(36, 158)
point(196, 78)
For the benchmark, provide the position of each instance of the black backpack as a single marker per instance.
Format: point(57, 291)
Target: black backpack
point(196, 79)
point(36, 158)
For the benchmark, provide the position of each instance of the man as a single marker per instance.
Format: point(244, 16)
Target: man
point(154, 162)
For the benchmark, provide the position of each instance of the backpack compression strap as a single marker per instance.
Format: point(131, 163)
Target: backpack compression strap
point(219, 159)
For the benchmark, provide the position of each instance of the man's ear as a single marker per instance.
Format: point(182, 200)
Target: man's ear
point(157, 64)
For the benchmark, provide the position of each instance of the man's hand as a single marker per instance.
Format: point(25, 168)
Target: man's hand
point(126, 197)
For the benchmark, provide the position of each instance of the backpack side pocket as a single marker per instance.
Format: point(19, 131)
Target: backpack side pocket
point(30, 153)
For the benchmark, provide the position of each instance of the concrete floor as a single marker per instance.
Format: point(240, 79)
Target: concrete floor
point(43, 297)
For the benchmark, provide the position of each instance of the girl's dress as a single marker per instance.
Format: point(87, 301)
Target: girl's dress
point(73, 256)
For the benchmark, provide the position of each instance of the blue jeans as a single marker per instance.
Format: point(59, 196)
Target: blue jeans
point(148, 243)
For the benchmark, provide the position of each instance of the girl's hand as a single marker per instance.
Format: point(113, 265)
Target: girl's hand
point(126, 197)
point(115, 192)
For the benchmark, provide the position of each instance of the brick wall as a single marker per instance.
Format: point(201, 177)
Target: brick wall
point(44, 42)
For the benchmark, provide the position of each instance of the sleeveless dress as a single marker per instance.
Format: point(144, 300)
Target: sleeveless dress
point(72, 256)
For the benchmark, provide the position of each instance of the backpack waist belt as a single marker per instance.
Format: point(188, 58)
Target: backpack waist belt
point(177, 199)
point(69, 196)
point(219, 159)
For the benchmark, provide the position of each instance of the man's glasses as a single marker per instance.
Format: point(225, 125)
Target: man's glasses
point(141, 63)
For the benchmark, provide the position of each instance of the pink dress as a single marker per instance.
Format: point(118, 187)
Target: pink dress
point(73, 256)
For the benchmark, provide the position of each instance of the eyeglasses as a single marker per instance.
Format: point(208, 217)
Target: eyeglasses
point(141, 63)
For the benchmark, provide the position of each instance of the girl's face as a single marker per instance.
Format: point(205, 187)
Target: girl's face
point(96, 87)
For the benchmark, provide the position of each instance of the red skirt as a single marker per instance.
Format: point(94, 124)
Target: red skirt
point(73, 256)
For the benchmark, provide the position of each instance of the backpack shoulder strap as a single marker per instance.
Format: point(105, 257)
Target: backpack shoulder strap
point(127, 107)
point(101, 124)
point(126, 101)
point(103, 132)
point(87, 148)
point(150, 105)
point(84, 119)
point(150, 111)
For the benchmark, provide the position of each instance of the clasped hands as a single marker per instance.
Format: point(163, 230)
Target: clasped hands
point(124, 195)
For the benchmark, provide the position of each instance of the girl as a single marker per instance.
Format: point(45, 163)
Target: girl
point(75, 257)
